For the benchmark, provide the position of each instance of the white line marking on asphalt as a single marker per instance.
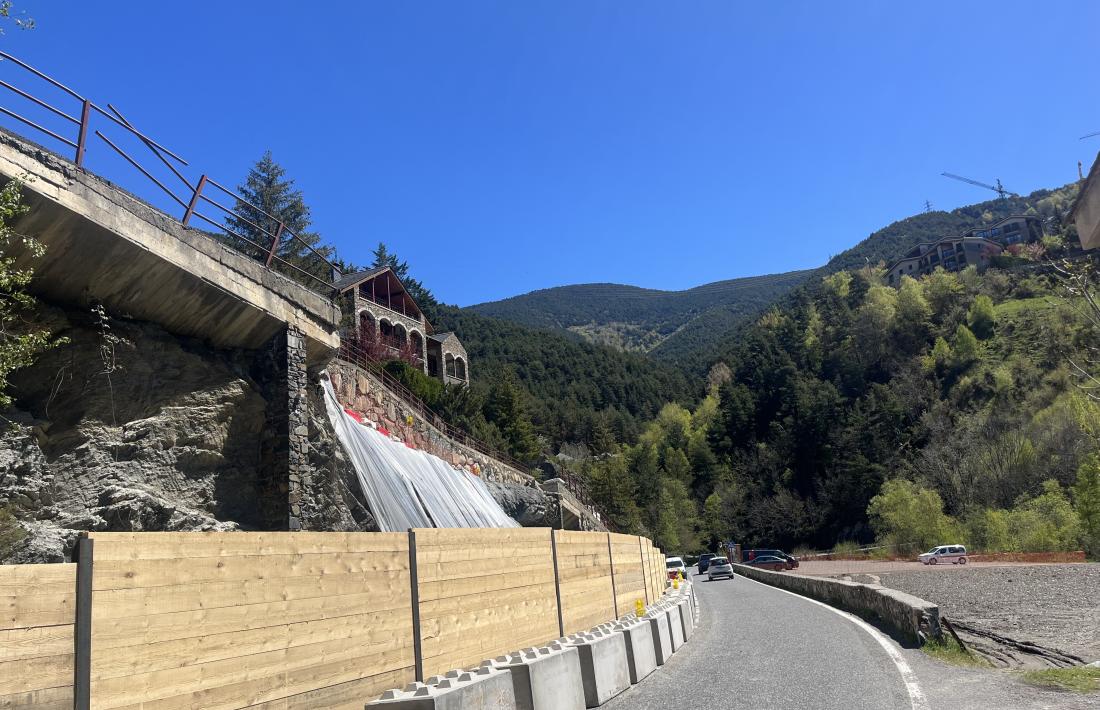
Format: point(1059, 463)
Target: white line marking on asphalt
point(916, 695)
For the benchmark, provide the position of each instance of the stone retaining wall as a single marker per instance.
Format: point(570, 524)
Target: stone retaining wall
point(913, 618)
point(365, 394)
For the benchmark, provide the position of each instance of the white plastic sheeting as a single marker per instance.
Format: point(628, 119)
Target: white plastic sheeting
point(406, 488)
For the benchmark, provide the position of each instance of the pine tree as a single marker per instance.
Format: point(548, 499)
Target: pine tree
point(506, 408)
point(268, 198)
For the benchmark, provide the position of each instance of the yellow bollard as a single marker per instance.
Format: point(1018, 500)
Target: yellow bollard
point(639, 608)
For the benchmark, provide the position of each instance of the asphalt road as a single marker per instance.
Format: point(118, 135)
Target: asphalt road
point(758, 647)
point(762, 648)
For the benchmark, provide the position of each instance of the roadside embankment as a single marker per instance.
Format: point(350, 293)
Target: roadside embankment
point(912, 618)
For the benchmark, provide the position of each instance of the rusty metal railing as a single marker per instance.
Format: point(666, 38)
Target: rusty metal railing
point(193, 198)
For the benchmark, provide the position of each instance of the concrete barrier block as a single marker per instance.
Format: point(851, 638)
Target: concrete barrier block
point(641, 657)
point(604, 669)
point(662, 637)
point(675, 626)
point(687, 618)
point(546, 678)
point(483, 687)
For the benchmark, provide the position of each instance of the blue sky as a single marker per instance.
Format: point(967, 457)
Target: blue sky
point(506, 146)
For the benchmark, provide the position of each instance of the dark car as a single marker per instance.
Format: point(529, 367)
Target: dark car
point(775, 564)
point(791, 560)
point(704, 561)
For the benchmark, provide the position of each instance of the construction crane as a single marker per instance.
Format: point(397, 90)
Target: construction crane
point(998, 188)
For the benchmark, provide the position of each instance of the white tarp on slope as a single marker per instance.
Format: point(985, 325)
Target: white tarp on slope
point(406, 488)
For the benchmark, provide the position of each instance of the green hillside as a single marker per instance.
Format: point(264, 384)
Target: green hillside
point(693, 328)
point(664, 323)
point(892, 241)
point(575, 391)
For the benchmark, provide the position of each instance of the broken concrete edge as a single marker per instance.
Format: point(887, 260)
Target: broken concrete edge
point(910, 617)
point(46, 173)
point(637, 664)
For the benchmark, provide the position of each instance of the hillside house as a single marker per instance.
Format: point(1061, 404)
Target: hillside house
point(378, 305)
point(976, 247)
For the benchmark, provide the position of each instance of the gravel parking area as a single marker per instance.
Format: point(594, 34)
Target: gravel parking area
point(1057, 606)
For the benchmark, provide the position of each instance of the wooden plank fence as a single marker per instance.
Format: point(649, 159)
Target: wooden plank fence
point(37, 614)
point(297, 620)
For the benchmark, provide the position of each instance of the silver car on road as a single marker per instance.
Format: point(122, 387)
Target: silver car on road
point(719, 567)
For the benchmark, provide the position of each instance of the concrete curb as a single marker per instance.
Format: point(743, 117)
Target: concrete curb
point(911, 617)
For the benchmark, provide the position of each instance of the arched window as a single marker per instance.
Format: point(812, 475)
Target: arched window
point(449, 360)
point(385, 327)
point(460, 368)
point(366, 323)
point(400, 334)
point(417, 341)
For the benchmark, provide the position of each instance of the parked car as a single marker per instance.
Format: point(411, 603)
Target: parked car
point(675, 565)
point(719, 567)
point(955, 554)
point(775, 564)
point(791, 560)
point(704, 561)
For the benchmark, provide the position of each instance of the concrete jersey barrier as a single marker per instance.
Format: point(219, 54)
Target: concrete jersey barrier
point(911, 617)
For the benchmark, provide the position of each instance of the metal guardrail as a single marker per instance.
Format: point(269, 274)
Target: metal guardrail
point(199, 194)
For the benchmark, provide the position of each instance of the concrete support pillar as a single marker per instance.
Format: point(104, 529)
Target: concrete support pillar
point(284, 445)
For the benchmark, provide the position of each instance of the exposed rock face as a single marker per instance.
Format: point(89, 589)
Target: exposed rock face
point(132, 428)
point(529, 506)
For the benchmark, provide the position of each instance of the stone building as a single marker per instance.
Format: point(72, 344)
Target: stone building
point(378, 304)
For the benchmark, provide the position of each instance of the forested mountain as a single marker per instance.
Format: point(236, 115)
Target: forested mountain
point(693, 328)
point(574, 391)
point(665, 324)
point(943, 409)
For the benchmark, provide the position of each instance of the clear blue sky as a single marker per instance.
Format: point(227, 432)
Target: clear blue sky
point(506, 146)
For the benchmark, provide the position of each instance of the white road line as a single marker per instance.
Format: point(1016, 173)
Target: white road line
point(916, 695)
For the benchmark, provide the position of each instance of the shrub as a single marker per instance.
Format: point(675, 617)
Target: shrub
point(428, 389)
point(905, 515)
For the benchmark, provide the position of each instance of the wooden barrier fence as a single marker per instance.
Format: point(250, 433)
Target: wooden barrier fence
point(297, 620)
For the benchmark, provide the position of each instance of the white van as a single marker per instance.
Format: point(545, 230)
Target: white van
point(955, 554)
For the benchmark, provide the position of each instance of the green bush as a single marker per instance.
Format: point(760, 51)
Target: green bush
point(1046, 523)
point(428, 389)
point(907, 516)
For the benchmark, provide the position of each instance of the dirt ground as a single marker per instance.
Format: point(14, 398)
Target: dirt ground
point(1054, 605)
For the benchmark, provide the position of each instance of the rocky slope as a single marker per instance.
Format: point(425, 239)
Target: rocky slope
point(128, 427)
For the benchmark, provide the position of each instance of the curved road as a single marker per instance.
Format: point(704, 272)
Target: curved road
point(762, 648)
point(758, 647)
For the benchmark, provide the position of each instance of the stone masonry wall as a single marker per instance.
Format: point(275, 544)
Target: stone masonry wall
point(365, 394)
